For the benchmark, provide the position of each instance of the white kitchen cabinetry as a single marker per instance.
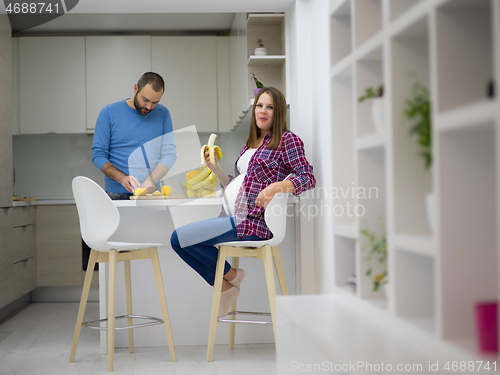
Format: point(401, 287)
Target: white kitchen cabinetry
point(436, 276)
point(59, 246)
point(269, 69)
point(18, 266)
point(113, 66)
point(188, 64)
point(52, 85)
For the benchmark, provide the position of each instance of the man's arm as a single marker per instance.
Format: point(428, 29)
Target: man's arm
point(156, 175)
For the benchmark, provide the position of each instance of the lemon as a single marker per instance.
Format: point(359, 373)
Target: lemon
point(166, 190)
point(140, 191)
point(191, 193)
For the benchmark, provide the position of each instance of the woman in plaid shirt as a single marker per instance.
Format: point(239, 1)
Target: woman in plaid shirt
point(270, 155)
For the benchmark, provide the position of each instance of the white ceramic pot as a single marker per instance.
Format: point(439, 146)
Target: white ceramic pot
point(430, 205)
point(378, 113)
point(260, 51)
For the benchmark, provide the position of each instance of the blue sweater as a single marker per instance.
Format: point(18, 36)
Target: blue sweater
point(132, 142)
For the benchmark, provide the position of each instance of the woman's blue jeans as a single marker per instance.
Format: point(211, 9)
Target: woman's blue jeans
point(194, 243)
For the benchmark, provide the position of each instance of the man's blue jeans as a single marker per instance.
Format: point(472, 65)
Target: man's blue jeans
point(194, 243)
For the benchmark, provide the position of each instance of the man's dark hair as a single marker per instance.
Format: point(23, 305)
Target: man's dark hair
point(153, 79)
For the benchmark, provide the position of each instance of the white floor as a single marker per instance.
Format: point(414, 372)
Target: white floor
point(37, 341)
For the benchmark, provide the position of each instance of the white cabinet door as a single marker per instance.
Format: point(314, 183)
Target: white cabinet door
point(52, 85)
point(114, 64)
point(188, 64)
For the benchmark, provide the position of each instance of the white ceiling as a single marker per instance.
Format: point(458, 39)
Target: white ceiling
point(149, 16)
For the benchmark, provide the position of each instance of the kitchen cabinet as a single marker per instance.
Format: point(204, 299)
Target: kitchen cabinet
point(17, 253)
point(6, 269)
point(59, 246)
point(23, 249)
point(52, 85)
point(113, 66)
point(188, 64)
point(5, 113)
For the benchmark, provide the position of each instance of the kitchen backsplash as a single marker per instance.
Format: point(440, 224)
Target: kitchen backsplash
point(45, 164)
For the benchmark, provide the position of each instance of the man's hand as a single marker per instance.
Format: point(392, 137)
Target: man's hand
point(130, 183)
point(149, 185)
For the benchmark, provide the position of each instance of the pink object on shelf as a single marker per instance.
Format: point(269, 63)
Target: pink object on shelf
point(487, 326)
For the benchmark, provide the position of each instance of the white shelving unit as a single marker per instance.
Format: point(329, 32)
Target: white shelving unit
point(436, 274)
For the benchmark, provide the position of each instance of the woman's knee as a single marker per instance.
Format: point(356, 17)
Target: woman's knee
point(174, 241)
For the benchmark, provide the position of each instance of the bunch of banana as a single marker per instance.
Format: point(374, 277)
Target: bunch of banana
point(212, 149)
point(202, 184)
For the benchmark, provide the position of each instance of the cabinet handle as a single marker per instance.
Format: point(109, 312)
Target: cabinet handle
point(23, 260)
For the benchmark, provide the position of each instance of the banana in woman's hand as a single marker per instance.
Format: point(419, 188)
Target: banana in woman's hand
point(212, 150)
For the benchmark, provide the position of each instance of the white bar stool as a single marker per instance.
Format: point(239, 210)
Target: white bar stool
point(268, 251)
point(99, 219)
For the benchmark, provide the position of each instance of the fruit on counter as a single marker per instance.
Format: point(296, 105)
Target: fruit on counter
point(157, 193)
point(207, 192)
point(139, 192)
point(212, 149)
point(166, 190)
point(210, 182)
point(199, 177)
point(191, 193)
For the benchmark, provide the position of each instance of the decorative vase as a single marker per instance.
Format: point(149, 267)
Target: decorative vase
point(378, 113)
point(255, 92)
point(260, 51)
point(430, 205)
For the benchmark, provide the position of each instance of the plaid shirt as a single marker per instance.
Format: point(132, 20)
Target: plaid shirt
point(265, 167)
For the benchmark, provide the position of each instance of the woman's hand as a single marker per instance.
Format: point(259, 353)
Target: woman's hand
point(265, 196)
point(207, 160)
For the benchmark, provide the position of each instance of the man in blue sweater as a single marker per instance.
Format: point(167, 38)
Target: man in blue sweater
point(133, 140)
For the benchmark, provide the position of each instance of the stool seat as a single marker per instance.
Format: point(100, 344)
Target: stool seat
point(99, 219)
point(268, 251)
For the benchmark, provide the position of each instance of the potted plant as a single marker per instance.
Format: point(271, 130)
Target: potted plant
point(260, 50)
point(375, 249)
point(258, 84)
point(418, 111)
point(376, 96)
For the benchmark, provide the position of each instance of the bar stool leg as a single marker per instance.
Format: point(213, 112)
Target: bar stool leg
point(235, 262)
point(83, 302)
point(113, 260)
point(219, 273)
point(279, 270)
point(163, 301)
point(128, 295)
point(271, 287)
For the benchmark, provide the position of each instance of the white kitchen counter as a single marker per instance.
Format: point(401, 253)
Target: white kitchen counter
point(45, 201)
point(189, 297)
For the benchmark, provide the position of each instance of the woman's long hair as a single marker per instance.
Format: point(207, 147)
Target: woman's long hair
point(279, 119)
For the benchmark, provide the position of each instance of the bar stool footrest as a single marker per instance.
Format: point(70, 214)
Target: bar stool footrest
point(246, 321)
point(155, 321)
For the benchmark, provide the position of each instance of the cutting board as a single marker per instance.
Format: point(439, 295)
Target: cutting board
point(24, 199)
point(157, 197)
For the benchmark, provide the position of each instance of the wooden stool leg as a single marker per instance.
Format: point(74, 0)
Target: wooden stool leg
point(271, 288)
point(113, 260)
point(128, 296)
point(235, 263)
point(163, 302)
point(279, 270)
point(219, 274)
point(83, 302)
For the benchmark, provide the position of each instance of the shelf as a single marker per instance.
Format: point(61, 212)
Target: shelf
point(469, 116)
point(345, 261)
point(367, 19)
point(266, 60)
point(265, 19)
point(464, 48)
point(340, 32)
point(343, 68)
point(398, 7)
point(371, 141)
point(421, 245)
point(346, 231)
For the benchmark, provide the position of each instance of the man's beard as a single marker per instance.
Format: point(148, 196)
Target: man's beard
point(142, 110)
